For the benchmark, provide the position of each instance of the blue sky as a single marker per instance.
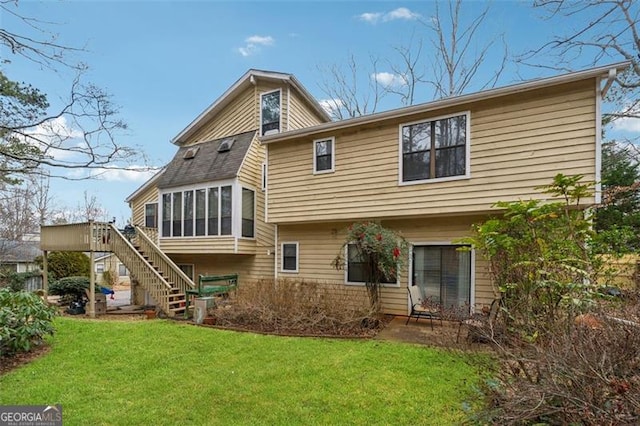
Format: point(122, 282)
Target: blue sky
point(164, 62)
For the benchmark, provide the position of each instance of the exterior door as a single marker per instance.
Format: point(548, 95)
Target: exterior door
point(443, 274)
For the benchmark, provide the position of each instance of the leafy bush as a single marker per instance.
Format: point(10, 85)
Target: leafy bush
point(16, 280)
point(74, 286)
point(300, 307)
point(61, 264)
point(24, 320)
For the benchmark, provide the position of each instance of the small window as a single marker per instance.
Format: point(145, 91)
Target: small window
point(187, 269)
point(323, 155)
point(151, 215)
point(99, 268)
point(435, 149)
point(270, 113)
point(264, 176)
point(122, 270)
point(356, 267)
point(289, 257)
point(248, 213)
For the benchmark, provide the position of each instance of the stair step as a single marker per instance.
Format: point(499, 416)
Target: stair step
point(177, 310)
point(176, 302)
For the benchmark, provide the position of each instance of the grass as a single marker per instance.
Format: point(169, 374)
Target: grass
point(163, 372)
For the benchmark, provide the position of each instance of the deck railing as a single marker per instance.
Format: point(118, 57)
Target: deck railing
point(87, 236)
point(150, 279)
point(170, 270)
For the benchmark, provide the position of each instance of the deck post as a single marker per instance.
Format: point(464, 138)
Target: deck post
point(45, 273)
point(92, 286)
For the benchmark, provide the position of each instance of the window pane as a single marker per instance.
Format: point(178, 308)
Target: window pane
point(270, 112)
point(187, 269)
point(416, 137)
point(188, 213)
point(289, 257)
point(212, 212)
point(451, 131)
point(248, 200)
point(151, 215)
point(450, 161)
point(177, 214)
point(122, 270)
point(357, 268)
point(415, 166)
point(166, 215)
point(443, 274)
point(226, 208)
point(201, 209)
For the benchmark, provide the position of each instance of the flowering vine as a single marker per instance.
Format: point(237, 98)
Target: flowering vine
point(382, 251)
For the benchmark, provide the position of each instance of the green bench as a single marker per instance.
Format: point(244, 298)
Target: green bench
point(211, 285)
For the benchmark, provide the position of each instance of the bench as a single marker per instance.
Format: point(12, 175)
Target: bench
point(211, 285)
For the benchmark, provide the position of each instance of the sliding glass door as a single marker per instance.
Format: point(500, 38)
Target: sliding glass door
point(443, 274)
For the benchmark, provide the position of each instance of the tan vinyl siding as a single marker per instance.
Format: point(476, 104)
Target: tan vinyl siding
point(196, 245)
point(237, 117)
point(150, 195)
point(248, 268)
point(318, 245)
point(518, 142)
point(301, 115)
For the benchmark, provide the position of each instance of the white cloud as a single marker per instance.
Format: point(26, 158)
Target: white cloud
point(331, 105)
point(388, 79)
point(253, 44)
point(56, 138)
point(371, 17)
point(130, 174)
point(627, 124)
point(401, 13)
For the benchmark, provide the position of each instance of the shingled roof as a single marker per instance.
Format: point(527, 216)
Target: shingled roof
point(204, 162)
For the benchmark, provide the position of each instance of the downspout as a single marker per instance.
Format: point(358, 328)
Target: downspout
point(611, 77)
point(275, 250)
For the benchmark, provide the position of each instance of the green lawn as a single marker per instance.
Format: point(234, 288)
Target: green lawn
point(163, 372)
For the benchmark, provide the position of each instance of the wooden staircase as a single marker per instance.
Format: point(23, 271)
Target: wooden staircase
point(152, 269)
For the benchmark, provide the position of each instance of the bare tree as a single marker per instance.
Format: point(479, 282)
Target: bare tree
point(342, 85)
point(453, 66)
point(456, 62)
point(81, 134)
point(593, 31)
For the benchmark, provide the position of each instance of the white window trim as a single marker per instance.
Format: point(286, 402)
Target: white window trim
point(193, 269)
point(236, 208)
point(362, 284)
point(467, 173)
point(332, 139)
point(280, 103)
point(255, 213)
point(289, 271)
point(472, 276)
point(157, 212)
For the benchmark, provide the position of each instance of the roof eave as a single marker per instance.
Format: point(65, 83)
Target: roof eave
point(444, 103)
point(242, 82)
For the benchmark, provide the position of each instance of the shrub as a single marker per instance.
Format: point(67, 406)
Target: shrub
point(300, 307)
point(61, 264)
point(24, 320)
point(16, 280)
point(74, 286)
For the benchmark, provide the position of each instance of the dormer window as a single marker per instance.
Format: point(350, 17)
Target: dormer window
point(270, 113)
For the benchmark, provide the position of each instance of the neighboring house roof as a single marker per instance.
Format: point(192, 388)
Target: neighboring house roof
point(145, 186)
point(205, 162)
point(248, 79)
point(19, 251)
point(604, 71)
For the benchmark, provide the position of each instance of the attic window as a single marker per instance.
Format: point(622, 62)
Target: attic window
point(191, 152)
point(226, 144)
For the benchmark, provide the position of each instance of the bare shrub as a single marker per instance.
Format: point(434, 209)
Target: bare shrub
point(585, 373)
point(300, 307)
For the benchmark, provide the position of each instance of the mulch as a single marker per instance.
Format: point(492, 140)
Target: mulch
point(8, 363)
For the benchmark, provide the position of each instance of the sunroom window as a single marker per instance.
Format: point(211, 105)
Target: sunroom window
point(199, 212)
point(248, 213)
point(435, 149)
point(270, 113)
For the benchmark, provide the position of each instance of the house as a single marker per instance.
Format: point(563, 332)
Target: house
point(19, 256)
point(263, 184)
point(119, 274)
